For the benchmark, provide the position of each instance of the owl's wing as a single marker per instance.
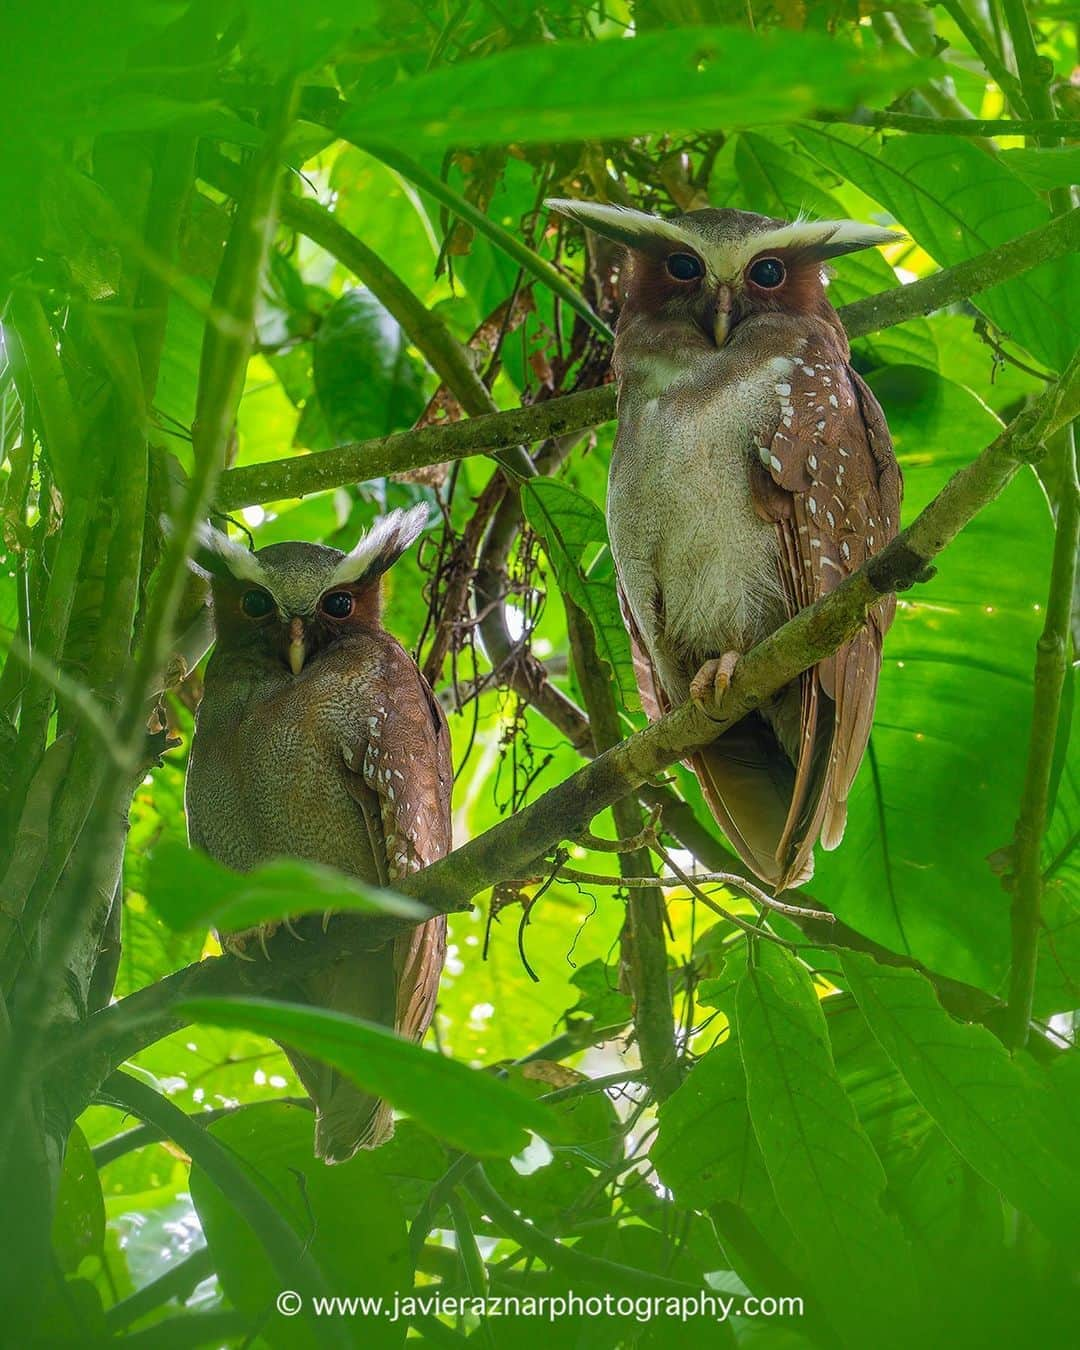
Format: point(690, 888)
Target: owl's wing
point(407, 766)
point(652, 697)
point(827, 478)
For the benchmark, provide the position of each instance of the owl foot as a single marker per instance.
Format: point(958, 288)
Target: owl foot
point(236, 944)
point(711, 683)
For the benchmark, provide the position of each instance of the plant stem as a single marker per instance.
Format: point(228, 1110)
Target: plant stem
point(995, 67)
point(644, 946)
point(1051, 670)
point(1052, 651)
point(970, 127)
point(255, 483)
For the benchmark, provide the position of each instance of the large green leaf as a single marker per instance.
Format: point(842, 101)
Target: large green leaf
point(676, 81)
point(190, 891)
point(957, 201)
point(350, 1216)
point(367, 381)
point(938, 791)
point(997, 1111)
point(828, 1181)
point(571, 526)
point(78, 1227)
point(1045, 169)
point(468, 1109)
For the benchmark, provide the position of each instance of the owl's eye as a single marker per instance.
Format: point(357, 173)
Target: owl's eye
point(768, 273)
point(684, 266)
point(338, 604)
point(257, 604)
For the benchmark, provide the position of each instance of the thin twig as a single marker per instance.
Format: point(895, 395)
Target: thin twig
point(731, 879)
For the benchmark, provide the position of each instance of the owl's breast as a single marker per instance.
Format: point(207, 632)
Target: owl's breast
point(267, 775)
point(698, 565)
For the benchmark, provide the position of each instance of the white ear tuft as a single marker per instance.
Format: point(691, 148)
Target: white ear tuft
point(824, 238)
point(636, 229)
point(382, 546)
point(217, 556)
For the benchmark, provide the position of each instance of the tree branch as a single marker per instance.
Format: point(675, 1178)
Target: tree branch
point(325, 469)
point(971, 127)
point(644, 947)
point(271, 481)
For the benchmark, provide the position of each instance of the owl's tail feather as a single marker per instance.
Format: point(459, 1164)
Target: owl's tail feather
point(748, 781)
point(396, 987)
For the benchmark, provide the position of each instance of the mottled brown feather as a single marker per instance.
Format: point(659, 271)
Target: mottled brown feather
point(832, 487)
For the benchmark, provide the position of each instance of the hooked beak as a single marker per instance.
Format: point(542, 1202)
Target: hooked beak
point(722, 315)
point(297, 645)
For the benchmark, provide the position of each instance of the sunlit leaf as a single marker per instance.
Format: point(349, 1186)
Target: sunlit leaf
point(192, 891)
point(675, 81)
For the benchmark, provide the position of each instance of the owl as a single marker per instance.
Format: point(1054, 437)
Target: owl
point(752, 471)
point(318, 738)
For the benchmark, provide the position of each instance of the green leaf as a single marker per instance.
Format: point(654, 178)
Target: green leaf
point(570, 526)
point(994, 1109)
point(829, 1182)
point(78, 1228)
point(350, 1216)
point(1045, 169)
point(956, 201)
point(190, 890)
point(468, 1109)
point(937, 793)
point(368, 383)
point(675, 81)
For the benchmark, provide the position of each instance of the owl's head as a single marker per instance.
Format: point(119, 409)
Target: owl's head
point(713, 269)
point(288, 602)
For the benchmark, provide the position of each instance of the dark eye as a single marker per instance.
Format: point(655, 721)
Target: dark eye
point(767, 273)
point(257, 604)
point(338, 604)
point(685, 267)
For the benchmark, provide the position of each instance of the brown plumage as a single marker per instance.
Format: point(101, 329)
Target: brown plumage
point(752, 472)
point(318, 738)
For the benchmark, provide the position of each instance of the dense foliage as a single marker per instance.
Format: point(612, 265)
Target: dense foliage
point(240, 244)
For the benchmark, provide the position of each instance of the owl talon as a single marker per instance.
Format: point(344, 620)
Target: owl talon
point(711, 683)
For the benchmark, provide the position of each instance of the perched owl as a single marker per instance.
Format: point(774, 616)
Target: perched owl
point(752, 472)
point(318, 738)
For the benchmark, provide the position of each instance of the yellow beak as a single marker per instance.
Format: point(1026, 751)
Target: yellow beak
point(722, 322)
point(297, 646)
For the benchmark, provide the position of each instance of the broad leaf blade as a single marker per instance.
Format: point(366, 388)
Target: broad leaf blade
point(829, 1182)
point(192, 891)
point(674, 81)
point(994, 1110)
point(569, 524)
point(957, 201)
point(468, 1109)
